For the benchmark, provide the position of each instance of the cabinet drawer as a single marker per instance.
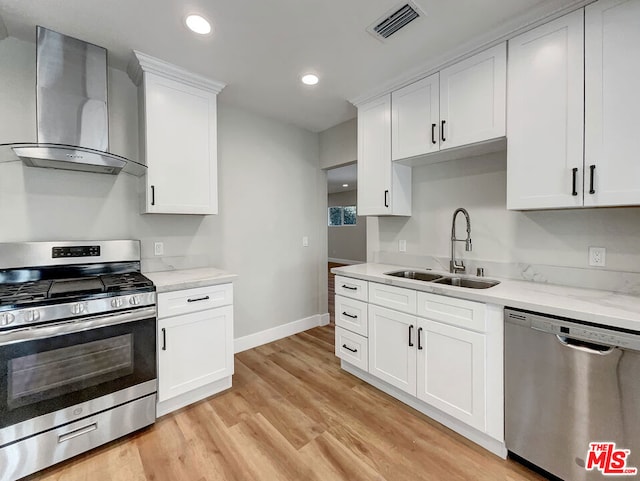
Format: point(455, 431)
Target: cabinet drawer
point(193, 300)
point(353, 288)
point(352, 348)
point(397, 298)
point(352, 315)
point(456, 312)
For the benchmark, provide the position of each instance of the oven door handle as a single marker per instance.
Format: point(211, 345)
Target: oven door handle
point(77, 325)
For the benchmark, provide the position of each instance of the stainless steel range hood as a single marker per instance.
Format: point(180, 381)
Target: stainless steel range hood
point(72, 111)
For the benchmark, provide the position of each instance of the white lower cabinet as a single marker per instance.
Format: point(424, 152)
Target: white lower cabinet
point(195, 347)
point(351, 347)
point(442, 356)
point(451, 371)
point(392, 353)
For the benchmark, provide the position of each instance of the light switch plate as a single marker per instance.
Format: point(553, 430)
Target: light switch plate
point(305, 241)
point(402, 245)
point(158, 248)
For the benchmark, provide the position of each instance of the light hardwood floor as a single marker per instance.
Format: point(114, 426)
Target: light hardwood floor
point(292, 414)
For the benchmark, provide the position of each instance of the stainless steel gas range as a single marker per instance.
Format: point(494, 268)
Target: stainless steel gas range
point(77, 350)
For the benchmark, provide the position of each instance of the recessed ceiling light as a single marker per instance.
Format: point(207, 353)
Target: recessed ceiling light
point(198, 24)
point(310, 79)
point(345, 185)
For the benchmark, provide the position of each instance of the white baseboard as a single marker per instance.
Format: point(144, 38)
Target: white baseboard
point(345, 261)
point(264, 337)
point(190, 397)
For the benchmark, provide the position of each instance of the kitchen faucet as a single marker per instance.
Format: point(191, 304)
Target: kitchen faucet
point(454, 266)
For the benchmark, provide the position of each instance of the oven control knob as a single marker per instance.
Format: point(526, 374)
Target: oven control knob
point(6, 318)
point(134, 300)
point(77, 308)
point(32, 315)
point(117, 302)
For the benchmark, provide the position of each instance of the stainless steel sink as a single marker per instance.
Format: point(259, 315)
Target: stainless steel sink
point(466, 282)
point(415, 275)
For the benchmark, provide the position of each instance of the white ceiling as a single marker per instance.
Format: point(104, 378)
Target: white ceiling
point(260, 48)
point(336, 178)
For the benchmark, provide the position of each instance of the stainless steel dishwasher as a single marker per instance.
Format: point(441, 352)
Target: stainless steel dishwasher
point(568, 384)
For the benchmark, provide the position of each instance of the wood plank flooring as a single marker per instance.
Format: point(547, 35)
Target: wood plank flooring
point(292, 415)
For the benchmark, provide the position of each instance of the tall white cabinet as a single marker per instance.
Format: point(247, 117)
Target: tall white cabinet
point(612, 96)
point(572, 110)
point(178, 129)
point(545, 109)
point(384, 188)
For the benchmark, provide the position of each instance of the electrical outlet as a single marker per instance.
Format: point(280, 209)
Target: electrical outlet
point(158, 248)
point(402, 245)
point(597, 256)
point(305, 241)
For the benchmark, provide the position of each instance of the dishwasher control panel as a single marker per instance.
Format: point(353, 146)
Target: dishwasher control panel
point(574, 329)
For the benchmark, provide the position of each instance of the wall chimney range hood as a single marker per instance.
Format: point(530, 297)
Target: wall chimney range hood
point(71, 109)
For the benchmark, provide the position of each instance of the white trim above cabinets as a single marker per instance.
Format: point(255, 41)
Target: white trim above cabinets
point(178, 131)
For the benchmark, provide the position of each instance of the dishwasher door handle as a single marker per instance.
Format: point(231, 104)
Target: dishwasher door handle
point(579, 346)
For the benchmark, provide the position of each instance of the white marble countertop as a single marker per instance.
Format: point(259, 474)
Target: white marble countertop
point(166, 281)
point(600, 307)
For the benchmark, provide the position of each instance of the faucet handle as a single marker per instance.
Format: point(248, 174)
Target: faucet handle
point(480, 272)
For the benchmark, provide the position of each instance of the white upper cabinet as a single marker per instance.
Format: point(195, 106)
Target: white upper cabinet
point(545, 116)
point(461, 105)
point(612, 94)
point(178, 119)
point(383, 188)
point(415, 119)
point(564, 78)
point(473, 98)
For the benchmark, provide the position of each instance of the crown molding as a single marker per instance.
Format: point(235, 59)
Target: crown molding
point(508, 30)
point(142, 63)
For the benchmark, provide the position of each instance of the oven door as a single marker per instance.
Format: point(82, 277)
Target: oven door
point(46, 369)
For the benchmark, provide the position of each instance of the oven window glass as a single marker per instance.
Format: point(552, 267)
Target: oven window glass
point(49, 374)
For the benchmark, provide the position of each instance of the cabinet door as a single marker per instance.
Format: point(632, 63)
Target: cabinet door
point(383, 188)
point(181, 149)
point(374, 157)
point(612, 96)
point(546, 116)
point(194, 350)
point(451, 371)
point(415, 119)
point(473, 98)
point(392, 351)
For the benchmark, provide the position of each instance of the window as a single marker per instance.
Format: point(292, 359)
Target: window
point(342, 215)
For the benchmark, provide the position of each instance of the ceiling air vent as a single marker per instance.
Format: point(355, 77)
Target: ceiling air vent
point(394, 20)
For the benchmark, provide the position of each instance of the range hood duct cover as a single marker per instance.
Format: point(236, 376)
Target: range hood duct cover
point(72, 110)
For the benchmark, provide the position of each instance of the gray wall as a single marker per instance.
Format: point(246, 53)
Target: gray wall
point(338, 145)
point(271, 194)
point(347, 242)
